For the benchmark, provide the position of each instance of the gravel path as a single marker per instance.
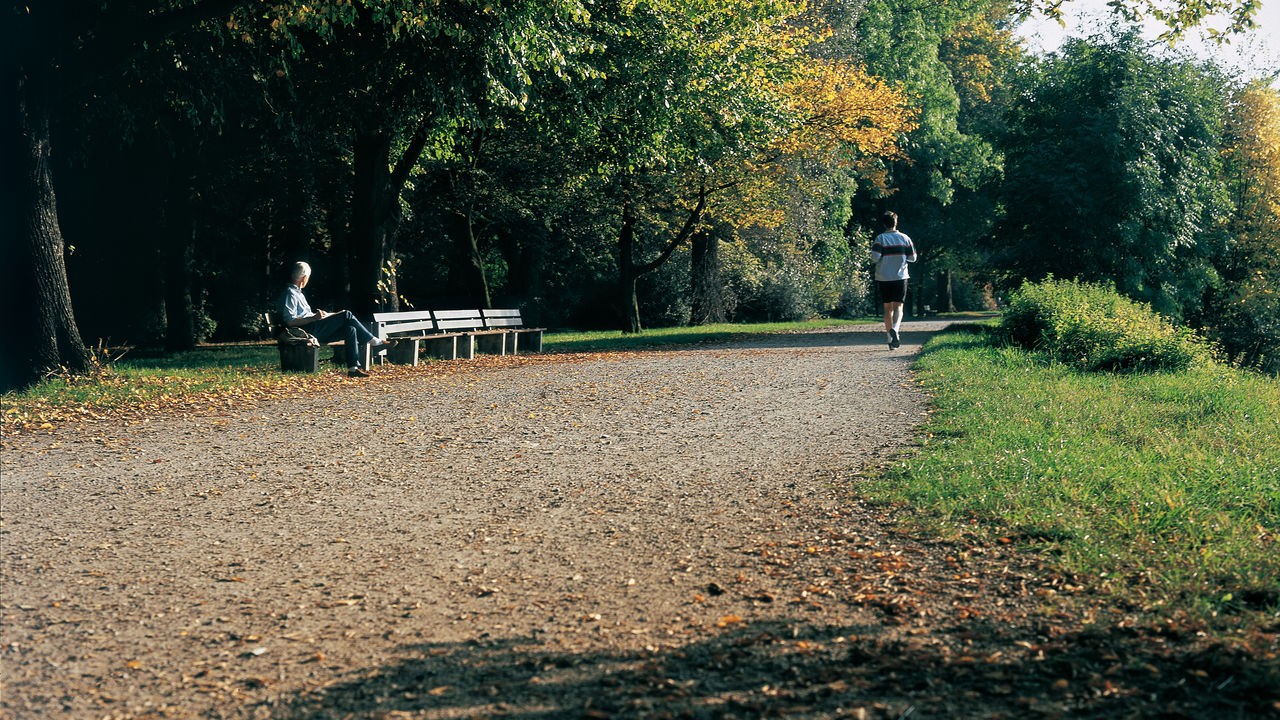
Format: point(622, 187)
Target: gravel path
point(629, 535)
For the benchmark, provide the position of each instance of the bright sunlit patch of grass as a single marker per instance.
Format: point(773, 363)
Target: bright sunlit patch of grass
point(604, 340)
point(1165, 486)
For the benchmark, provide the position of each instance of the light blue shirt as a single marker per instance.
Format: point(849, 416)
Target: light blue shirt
point(294, 304)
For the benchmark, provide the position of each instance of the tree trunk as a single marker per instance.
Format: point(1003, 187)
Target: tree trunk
point(367, 245)
point(42, 336)
point(627, 272)
point(945, 301)
point(375, 216)
point(706, 290)
point(179, 311)
point(466, 273)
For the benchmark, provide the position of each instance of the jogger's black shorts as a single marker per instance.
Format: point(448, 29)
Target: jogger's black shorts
point(892, 290)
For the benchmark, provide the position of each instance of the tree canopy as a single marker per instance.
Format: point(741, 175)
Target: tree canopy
point(600, 161)
point(1114, 173)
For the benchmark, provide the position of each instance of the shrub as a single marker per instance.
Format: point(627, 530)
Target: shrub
point(1095, 328)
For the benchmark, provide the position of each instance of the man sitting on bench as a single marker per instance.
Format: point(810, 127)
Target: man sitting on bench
point(325, 326)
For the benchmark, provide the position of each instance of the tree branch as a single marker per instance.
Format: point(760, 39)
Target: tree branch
point(689, 224)
point(400, 175)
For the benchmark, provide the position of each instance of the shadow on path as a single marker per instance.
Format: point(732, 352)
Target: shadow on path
point(796, 669)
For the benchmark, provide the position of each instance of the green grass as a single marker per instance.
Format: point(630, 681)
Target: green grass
point(1165, 487)
point(605, 340)
point(134, 382)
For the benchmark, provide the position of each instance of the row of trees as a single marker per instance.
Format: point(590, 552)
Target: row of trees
point(1157, 174)
point(603, 162)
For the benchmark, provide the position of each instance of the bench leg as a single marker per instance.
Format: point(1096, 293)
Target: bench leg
point(495, 344)
point(466, 347)
point(529, 341)
point(404, 353)
point(445, 348)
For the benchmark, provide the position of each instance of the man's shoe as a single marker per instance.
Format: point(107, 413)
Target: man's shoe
point(894, 341)
point(356, 372)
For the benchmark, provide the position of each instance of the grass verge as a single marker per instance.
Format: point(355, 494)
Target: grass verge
point(613, 340)
point(1165, 487)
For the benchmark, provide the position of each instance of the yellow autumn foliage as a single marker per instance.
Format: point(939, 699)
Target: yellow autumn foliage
point(1253, 153)
point(843, 117)
point(846, 116)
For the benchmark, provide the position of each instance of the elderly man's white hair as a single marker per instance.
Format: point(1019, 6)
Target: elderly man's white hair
point(301, 270)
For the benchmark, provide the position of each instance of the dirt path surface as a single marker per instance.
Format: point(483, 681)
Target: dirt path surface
point(656, 534)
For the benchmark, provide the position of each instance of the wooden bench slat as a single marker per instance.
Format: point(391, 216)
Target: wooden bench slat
point(383, 328)
point(503, 322)
point(402, 316)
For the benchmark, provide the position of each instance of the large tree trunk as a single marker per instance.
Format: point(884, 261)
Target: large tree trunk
point(368, 241)
point(42, 336)
point(706, 290)
point(945, 300)
point(627, 272)
point(375, 215)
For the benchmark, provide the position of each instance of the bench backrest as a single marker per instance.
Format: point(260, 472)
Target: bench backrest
point(417, 321)
point(503, 318)
point(458, 319)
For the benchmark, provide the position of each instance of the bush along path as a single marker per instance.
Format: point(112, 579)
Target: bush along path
point(630, 535)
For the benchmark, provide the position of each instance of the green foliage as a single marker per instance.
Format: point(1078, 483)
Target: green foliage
point(1243, 311)
point(1094, 328)
point(543, 123)
point(770, 278)
point(1113, 173)
point(1163, 487)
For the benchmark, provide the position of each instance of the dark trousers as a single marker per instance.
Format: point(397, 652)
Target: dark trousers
point(346, 327)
